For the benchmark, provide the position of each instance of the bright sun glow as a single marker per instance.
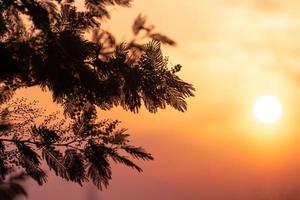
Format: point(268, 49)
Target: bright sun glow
point(267, 109)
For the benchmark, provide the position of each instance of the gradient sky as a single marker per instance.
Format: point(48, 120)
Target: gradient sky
point(232, 51)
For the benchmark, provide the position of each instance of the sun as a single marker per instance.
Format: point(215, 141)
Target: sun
point(267, 109)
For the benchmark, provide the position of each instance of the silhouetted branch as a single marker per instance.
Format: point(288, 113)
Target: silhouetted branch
point(43, 43)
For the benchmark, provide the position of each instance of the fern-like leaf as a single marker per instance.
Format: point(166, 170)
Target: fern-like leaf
point(99, 169)
point(123, 160)
point(137, 152)
point(162, 38)
point(36, 173)
point(54, 160)
point(138, 24)
point(27, 153)
point(74, 164)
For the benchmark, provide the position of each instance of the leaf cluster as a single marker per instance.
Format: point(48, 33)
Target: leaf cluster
point(43, 43)
point(77, 151)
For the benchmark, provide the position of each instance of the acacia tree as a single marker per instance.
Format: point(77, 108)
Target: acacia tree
point(45, 44)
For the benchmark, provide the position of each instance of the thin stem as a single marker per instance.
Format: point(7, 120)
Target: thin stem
point(39, 143)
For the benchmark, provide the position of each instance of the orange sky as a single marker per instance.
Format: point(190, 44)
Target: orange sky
point(232, 51)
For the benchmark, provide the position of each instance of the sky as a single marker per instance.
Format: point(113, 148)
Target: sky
point(232, 51)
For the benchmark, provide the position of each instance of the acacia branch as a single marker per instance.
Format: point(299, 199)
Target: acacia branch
point(68, 144)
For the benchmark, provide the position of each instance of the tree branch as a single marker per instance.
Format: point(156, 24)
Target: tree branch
point(41, 144)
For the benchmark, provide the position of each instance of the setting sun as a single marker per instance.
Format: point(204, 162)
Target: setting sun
point(267, 109)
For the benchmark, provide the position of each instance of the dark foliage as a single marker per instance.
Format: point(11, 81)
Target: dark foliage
point(45, 44)
point(42, 43)
point(76, 151)
point(12, 188)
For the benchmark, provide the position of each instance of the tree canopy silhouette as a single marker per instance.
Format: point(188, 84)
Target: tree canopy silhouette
point(63, 49)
